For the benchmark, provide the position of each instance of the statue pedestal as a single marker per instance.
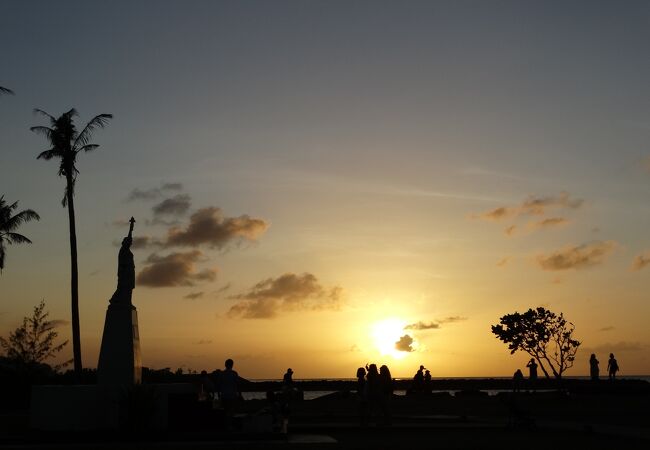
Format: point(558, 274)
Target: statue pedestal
point(119, 357)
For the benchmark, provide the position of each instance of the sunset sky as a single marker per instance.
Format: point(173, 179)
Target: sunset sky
point(322, 184)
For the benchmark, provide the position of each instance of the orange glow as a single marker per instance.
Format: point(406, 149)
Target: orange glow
point(386, 333)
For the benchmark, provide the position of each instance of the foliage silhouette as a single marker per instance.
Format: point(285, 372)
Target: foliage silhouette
point(32, 343)
point(542, 334)
point(67, 142)
point(9, 224)
point(6, 91)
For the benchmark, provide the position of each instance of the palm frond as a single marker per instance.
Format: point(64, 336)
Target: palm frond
point(6, 91)
point(15, 221)
point(43, 113)
point(9, 208)
point(99, 121)
point(49, 154)
point(88, 148)
point(15, 238)
point(72, 113)
point(45, 131)
point(2, 256)
point(5, 210)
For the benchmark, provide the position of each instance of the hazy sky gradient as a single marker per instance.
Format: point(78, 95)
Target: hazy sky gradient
point(369, 136)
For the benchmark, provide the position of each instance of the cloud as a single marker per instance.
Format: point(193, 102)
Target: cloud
point(58, 323)
point(209, 226)
point(544, 224)
point(175, 269)
point(537, 206)
point(503, 261)
point(175, 206)
point(452, 319)
point(171, 186)
point(141, 242)
point(193, 295)
point(500, 213)
point(608, 328)
point(203, 342)
point(640, 261)
point(139, 194)
point(288, 292)
point(222, 289)
point(405, 344)
point(433, 325)
point(422, 326)
point(153, 193)
point(532, 206)
point(550, 222)
point(577, 257)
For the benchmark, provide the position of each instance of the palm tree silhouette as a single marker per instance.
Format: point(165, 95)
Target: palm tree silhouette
point(66, 144)
point(4, 90)
point(9, 224)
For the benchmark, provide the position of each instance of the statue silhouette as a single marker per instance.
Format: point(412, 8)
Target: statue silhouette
point(125, 271)
point(119, 356)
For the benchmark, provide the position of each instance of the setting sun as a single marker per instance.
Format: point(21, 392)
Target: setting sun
point(388, 333)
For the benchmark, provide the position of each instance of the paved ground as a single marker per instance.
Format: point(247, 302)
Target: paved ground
point(556, 422)
point(402, 437)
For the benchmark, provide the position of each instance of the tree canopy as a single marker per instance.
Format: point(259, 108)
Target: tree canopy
point(542, 334)
point(9, 224)
point(33, 342)
point(66, 142)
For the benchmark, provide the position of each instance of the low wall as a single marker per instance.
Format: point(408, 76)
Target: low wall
point(93, 407)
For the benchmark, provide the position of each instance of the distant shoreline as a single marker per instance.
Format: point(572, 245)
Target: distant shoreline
point(463, 384)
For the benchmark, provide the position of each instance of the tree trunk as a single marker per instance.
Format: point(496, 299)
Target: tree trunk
point(74, 283)
point(541, 366)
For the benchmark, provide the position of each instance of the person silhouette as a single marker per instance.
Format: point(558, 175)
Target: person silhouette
point(517, 380)
point(287, 380)
point(361, 381)
point(229, 390)
point(427, 381)
point(386, 385)
point(418, 380)
point(612, 367)
point(362, 395)
point(373, 389)
point(532, 369)
point(594, 371)
point(207, 387)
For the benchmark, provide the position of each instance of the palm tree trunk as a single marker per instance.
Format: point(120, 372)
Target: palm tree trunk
point(74, 282)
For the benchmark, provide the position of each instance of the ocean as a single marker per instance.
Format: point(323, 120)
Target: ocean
point(310, 395)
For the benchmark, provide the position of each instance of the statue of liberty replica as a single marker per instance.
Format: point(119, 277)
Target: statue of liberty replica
point(119, 357)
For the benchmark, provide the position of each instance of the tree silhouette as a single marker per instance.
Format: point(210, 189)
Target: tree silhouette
point(4, 90)
point(66, 144)
point(33, 343)
point(9, 224)
point(542, 334)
